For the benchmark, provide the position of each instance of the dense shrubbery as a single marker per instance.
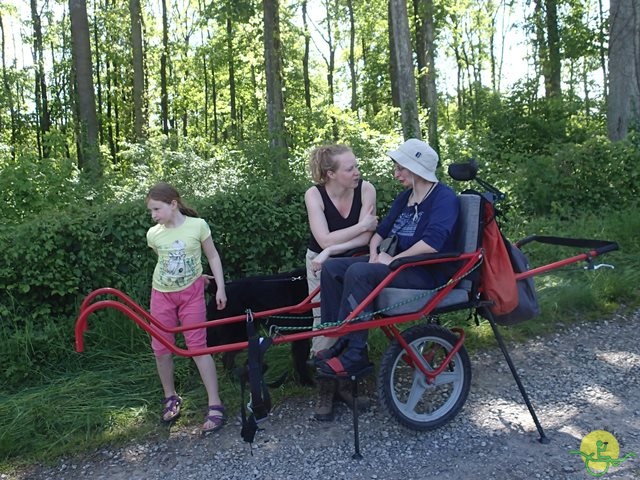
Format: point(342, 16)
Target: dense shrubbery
point(549, 158)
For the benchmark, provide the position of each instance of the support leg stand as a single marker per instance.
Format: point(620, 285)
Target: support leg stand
point(543, 438)
point(356, 432)
point(355, 377)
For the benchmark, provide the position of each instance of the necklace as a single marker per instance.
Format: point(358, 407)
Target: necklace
point(415, 205)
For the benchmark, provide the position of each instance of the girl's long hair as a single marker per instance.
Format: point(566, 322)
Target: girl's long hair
point(322, 160)
point(163, 192)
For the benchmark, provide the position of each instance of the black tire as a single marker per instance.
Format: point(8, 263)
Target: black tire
point(402, 389)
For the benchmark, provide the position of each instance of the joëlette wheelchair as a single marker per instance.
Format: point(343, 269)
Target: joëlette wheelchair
point(424, 375)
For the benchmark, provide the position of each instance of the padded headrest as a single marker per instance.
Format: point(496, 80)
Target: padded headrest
point(463, 171)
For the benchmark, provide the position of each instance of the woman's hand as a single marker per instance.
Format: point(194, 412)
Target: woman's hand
point(221, 299)
point(369, 222)
point(383, 258)
point(316, 263)
point(221, 294)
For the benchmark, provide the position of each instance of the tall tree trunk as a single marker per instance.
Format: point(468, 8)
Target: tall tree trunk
point(98, 68)
point(370, 104)
point(548, 39)
point(406, 80)
point(8, 94)
point(205, 71)
point(419, 7)
point(331, 64)
point(232, 77)
point(214, 92)
point(273, 74)
point(431, 75)
point(164, 94)
point(352, 55)
point(393, 63)
point(623, 109)
point(602, 47)
point(135, 12)
point(553, 44)
point(425, 38)
point(214, 98)
point(541, 43)
point(330, 60)
point(492, 51)
point(88, 149)
point(305, 58)
point(42, 103)
point(114, 137)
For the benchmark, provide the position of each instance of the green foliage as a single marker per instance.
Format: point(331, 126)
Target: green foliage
point(547, 156)
point(56, 256)
point(260, 228)
point(571, 178)
point(30, 186)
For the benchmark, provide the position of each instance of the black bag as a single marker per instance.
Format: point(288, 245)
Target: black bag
point(527, 298)
point(389, 245)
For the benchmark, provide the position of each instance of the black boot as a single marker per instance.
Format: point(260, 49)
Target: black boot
point(324, 401)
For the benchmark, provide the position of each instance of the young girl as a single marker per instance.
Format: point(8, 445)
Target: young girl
point(177, 296)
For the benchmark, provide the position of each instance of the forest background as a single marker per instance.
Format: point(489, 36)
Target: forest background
point(224, 99)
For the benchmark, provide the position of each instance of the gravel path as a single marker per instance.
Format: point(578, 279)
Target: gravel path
point(581, 379)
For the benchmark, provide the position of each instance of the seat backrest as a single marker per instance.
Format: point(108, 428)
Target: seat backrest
point(468, 234)
point(399, 301)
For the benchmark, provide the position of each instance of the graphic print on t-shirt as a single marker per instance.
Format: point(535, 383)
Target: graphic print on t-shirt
point(406, 223)
point(177, 269)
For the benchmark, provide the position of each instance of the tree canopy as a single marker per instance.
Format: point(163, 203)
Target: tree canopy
point(92, 85)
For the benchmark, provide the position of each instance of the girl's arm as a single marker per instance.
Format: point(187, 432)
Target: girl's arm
point(215, 264)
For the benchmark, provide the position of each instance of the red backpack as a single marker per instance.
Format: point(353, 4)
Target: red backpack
point(498, 280)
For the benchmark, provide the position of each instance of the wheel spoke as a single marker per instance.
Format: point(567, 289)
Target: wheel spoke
point(417, 390)
point(446, 378)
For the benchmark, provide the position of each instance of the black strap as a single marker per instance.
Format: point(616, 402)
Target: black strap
point(259, 404)
point(600, 246)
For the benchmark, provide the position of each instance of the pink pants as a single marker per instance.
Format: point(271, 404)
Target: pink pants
point(186, 307)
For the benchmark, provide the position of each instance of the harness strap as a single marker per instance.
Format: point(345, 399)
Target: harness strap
point(259, 404)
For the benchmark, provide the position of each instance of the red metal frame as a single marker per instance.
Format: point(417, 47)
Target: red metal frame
point(147, 322)
point(414, 360)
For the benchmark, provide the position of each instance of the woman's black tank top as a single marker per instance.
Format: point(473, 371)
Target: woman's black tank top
point(335, 221)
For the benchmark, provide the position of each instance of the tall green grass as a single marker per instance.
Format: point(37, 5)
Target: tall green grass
point(59, 402)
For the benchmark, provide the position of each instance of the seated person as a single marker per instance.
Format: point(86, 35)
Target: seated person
point(341, 208)
point(424, 218)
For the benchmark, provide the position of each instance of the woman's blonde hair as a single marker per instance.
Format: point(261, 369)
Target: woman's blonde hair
point(323, 159)
point(163, 192)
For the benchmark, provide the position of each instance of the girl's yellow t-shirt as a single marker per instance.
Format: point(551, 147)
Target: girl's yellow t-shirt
point(179, 253)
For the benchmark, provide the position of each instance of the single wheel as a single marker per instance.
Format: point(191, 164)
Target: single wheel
point(403, 390)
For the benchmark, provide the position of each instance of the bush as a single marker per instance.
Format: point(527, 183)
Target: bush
point(578, 178)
